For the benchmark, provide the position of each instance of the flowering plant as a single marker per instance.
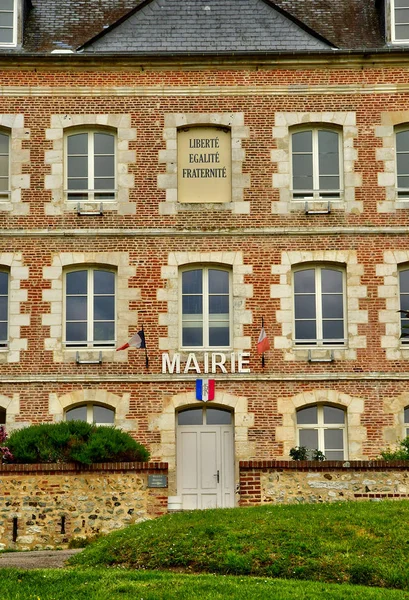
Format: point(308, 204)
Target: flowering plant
point(5, 454)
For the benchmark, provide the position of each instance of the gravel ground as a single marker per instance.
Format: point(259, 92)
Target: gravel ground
point(41, 559)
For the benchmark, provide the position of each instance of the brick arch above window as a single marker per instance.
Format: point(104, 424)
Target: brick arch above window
point(281, 156)
point(54, 180)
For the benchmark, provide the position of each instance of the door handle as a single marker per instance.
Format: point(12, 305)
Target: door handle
point(217, 475)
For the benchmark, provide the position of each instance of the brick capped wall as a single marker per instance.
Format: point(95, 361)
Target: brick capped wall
point(45, 506)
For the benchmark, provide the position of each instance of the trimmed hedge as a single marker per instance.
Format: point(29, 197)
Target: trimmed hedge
point(74, 441)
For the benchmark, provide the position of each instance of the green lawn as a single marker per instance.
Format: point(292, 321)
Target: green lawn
point(360, 543)
point(114, 584)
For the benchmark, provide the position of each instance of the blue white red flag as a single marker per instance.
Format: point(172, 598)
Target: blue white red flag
point(205, 389)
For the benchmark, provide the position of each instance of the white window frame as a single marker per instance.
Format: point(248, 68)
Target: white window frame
point(404, 341)
point(4, 344)
point(205, 294)
point(393, 25)
point(406, 422)
point(402, 194)
point(320, 342)
point(317, 194)
point(90, 412)
point(14, 27)
point(90, 343)
point(320, 426)
point(90, 194)
point(5, 194)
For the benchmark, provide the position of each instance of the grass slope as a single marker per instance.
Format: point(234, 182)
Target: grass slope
point(114, 584)
point(358, 543)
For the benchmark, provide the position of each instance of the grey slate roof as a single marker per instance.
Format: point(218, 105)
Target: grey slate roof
point(203, 25)
point(187, 26)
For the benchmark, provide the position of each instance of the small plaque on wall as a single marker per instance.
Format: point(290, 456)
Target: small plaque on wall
point(157, 481)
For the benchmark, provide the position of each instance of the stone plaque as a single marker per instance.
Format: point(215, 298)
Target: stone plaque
point(157, 481)
point(204, 164)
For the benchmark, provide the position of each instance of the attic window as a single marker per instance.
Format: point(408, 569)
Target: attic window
point(8, 25)
point(400, 20)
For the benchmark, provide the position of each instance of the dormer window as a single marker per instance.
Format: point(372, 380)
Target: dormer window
point(400, 20)
point(8, 22)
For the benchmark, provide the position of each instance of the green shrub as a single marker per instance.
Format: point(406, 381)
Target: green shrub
point(401, 453)
point(74, 441)
point(303, 453)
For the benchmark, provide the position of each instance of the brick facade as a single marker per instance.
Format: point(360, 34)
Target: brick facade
point(146, 236)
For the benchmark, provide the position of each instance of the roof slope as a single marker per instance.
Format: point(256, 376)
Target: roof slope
point(229, 25)
point(207, 26)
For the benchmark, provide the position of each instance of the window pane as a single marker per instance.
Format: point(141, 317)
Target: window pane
point(6, 4)
point(104, 183)
point(4, 283)
point(78, 144)
point(4, 143)
point(217, 416)
point(2, 416)
point(192, 336)
point(3, 332)
point(402, 141)
point(104, 308)
point(329, 183)
point(76, 414)
point(6, 19)
point(406, 417)
point(401, 3)
point(192, 305)
point(77, 166)
point(76, 332)
point(334, 439)
point(304, 307)
point(334, 454)
point(192, 282)
point(104, 143)
point(309, 438)
point(333, 330)
point(304, 281)
point(76, 282)
point(402, 32)
point(302, 166)
point(104, 282)
point(404, 281)
point(76, 308)
point(219, 336)
point(218, 282)
point(4, 166)
point(6, 36)
point(402, 162)
point(103, 415)
point(4, 184)
point(333, 415)
point(331, 281)
point(191, 416)
point(3, 308)
point(402, 15)
point(219, 305)
point(307, 416)
point(332, 306)
point(78, 184)
point(328, 145)
point(104, 166)
point(104, 332)
point(302, 141)
point(305, 330)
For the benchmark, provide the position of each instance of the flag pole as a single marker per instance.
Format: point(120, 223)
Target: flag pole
point(263, 362)
point(146, 350)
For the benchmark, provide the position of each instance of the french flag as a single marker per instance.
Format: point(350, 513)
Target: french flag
point(205, 389)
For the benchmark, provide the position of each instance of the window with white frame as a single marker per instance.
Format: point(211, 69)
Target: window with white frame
point(400, 21)
point(90, 308)
point(91, 413)
point(404, 304)
point(316, 164)
point(319, 306)
point(205, 307)
point(322, 427)
point(402, 163)
point(8, 22)
point(4, 166)
point(4, 308)
point(406, 422)
point(90, 166)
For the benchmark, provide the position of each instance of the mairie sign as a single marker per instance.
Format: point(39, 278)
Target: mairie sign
point(212, 362)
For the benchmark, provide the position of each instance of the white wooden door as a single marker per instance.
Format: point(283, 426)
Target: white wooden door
point(205, 466)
